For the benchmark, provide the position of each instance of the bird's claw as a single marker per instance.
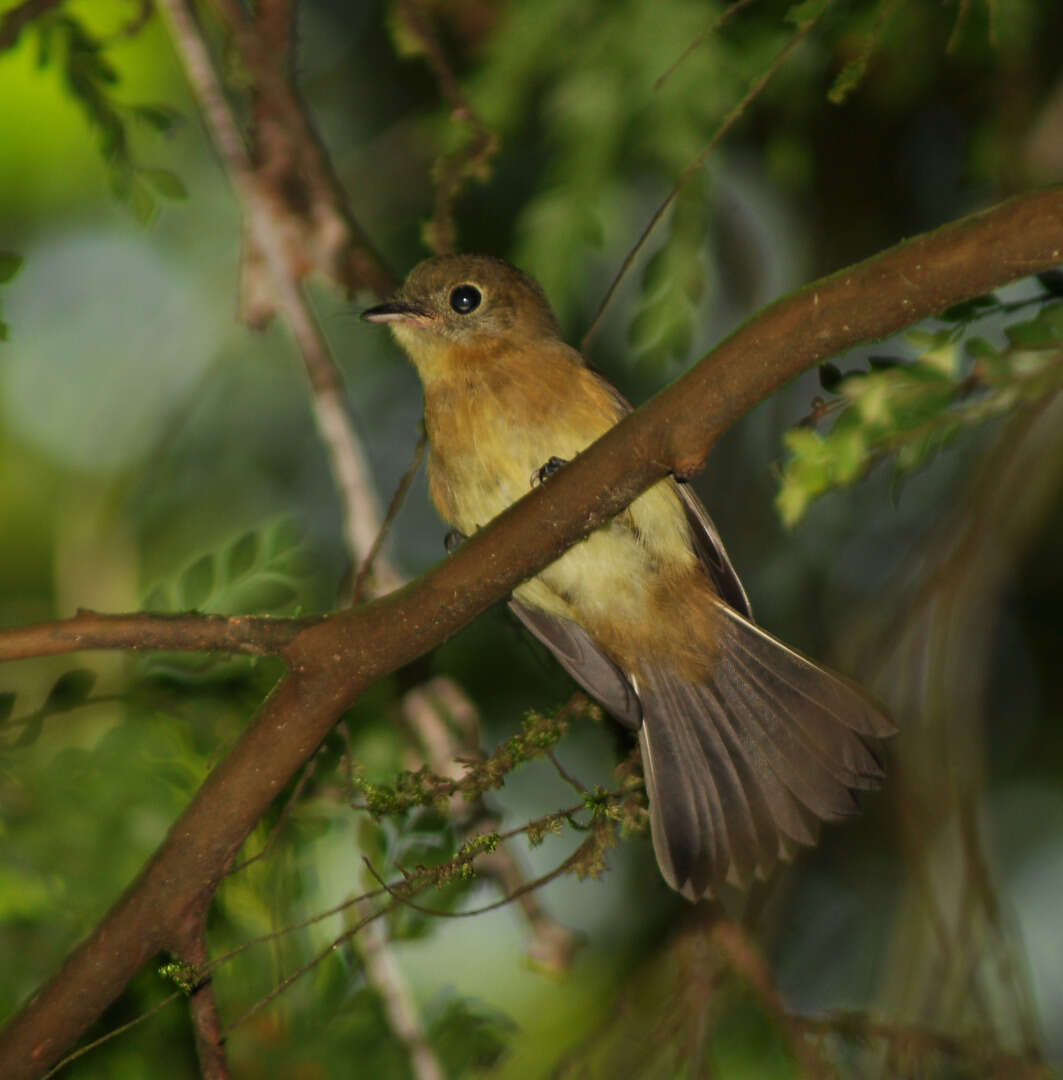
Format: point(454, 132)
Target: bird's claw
point(544, 472)
point(453, 540)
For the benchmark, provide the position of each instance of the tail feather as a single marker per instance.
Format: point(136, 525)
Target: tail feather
point(682, 825)
point(742, 767)
point(778, 672)
point(828, 747)
point(768, 729)
point(717, 770)
point(795, 825)
point(835, 697)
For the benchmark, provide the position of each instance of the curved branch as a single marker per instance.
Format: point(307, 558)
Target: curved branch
point(332, 660)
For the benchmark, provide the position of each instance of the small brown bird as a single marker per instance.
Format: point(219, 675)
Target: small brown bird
point(746, 745)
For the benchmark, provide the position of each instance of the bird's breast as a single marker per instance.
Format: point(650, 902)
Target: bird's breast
point(491, 429)
point(490, 433)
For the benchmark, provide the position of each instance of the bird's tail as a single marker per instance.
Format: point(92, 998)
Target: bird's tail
point(742, 766)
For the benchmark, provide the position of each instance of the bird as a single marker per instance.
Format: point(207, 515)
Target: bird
point(746, 745)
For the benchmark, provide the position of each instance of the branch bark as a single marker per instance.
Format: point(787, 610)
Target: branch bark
point(333, 660)
point(247, 635)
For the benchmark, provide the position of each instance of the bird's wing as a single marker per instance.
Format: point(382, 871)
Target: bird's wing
point(575, 650)
point(707, 543)
point(710, 550)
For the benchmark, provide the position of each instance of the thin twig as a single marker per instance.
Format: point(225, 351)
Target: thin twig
point(362, 577)
point(202, 1005)
point(692, 169)
point(746, 960)
point(552, 945)
point(470, 160)
point(428, 875)
point(243, 635)
point(303, 969)
point(385, 976)
point(360, 512)
point(427, 709)
point(962, 12)
point(725, 16)
point(911, 1037)
point(572, 782)
point(296, 173)
point(81, 1051)
point(470, 913)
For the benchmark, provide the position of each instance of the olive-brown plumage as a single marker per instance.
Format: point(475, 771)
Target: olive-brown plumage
point(746, 745)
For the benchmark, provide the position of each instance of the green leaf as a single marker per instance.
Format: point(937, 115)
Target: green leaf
point(805, 475)
point(142, 202)
point(470, 1036)
point(158, 599)
point(70, 690)
point(1035, 334)
point(929, 340)
point(23, 895)
point(1052, 315)
point(849, 78)
point(197, 584)
point(850, 452)
point(981, 349)
point(161, 117)
point(31, 731)
point(166, 183)
point(241, 556)
point(7, 705)
point(10, 265)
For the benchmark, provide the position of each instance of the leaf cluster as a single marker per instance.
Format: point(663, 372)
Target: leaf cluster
point(65, 41)
point(908, 410)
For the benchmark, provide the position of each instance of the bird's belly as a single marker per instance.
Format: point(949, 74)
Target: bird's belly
point(608, 577)
point(612, 582)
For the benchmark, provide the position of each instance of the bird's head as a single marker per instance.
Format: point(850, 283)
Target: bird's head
point(456, 306)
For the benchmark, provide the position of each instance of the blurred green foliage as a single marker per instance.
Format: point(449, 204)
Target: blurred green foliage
point(911, 410)
point(10, 264)
point(153, 451)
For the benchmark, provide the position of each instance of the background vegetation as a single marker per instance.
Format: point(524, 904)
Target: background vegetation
point(898, 516)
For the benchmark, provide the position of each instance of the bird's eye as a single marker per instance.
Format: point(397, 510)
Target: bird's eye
point(465, 298)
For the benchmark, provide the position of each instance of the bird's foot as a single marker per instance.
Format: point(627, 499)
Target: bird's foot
point(547, 470)
point(453, 540)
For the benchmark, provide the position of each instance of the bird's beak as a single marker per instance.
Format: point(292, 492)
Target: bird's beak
point(396, 311)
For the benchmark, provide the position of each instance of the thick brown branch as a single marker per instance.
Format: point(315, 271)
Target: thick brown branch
point(333, 660)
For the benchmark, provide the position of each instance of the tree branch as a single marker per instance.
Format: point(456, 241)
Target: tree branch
point(333, 660)
point(248, 635)
point(269, 226)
